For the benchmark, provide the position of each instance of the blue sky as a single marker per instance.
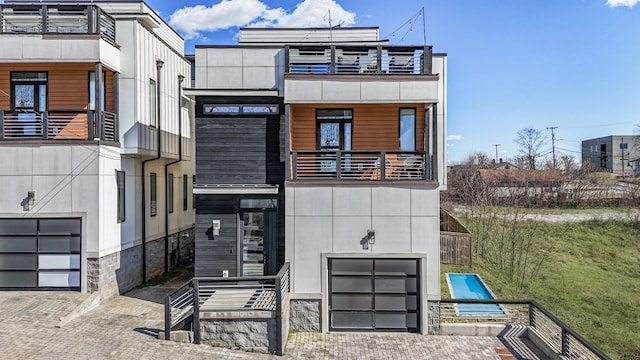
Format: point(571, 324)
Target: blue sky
point(513, 64)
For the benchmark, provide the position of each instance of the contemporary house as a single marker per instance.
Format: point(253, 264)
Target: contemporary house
point(324, 148)
point(618, 154)
point(95, 145)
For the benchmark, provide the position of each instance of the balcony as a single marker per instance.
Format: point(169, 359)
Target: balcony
point(57, 19)
point(369, 60)
point(361, 166)
point(58, 125)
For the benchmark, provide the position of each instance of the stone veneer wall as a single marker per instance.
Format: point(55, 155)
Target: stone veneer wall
point(120, 272)
point(433, 309)
point(305, 315)
point(247, 334)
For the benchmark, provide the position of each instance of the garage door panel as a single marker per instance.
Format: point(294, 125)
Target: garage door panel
point(351, 301)
point(18, 244)
point(351, 284)
point(18, 279)
point(59, 279)
point(60, 244)
point(18, 226)
point(18, 261)
point(391, 320)
point(60, 226)
point(59, 262)
point(351, 320)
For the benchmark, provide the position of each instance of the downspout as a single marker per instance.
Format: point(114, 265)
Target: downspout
point(166, 176)
point(159, 64)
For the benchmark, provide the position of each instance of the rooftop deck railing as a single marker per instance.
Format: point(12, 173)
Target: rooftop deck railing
point(58, 125)
point(184, 307)
point(558, 336)
point(360, 165)
point(57, 19)
point(372, 60)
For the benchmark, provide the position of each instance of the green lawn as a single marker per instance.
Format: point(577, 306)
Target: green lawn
point(591, 281)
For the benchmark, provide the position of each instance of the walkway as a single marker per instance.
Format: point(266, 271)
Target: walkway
point(126, 328)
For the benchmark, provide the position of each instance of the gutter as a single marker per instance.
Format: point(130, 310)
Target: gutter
point(159, 64)
point(166, 176)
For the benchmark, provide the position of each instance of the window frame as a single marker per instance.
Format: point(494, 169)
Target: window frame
point(185, 192)
point(415, 121)
point(170, 193)
point(91, 103)
point(121, 196)
point(341, 121)
point(37, 106)
point(153, 103)
point(153, 196)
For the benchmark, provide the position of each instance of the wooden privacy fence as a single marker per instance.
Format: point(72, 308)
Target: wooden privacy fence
point(455, 241)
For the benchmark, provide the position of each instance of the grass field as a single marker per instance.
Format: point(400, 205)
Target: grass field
point(591, 281)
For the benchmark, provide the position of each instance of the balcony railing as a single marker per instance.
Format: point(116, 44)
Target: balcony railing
point(58, 125)
point(359, 60)
point(57, 19)
point(361, 165)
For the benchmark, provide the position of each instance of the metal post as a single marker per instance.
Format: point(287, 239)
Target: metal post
point(379, 60)
point(332, 66)
point(279, 334)
point(532, 316)
point(565, 343)
point(383, 165)
point(196, 312)
point(294, 165)
point(45, 125)
point(167, 318)
point(338, 164)
point(1, 125)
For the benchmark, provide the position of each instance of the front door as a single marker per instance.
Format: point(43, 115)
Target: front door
point(258, 241)
point(334, 130)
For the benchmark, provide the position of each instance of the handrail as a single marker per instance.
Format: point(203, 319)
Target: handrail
point(358, 59)
point(566, 335)
point(361, 165)
point(58, 125)
point(190, 299)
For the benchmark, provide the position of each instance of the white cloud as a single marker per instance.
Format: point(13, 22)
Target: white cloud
point(454, 137)
point(192, 21)
point(615, 3)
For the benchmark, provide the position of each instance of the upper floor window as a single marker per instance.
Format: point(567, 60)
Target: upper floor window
point(407, 129)
point(92, 91)
point(170, 193)
point(29, 90)
point(153, 103)
point(153, 179)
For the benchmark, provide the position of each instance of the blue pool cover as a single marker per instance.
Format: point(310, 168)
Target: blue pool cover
point(469, 286)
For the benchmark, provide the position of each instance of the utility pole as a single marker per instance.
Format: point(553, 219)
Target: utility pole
point(496, 145)
point(553, 144)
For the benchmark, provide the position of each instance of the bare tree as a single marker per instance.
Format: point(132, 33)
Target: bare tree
point(531, 142)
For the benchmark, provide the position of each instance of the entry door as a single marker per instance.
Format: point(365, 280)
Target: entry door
point(257, 242)
point(374, 295)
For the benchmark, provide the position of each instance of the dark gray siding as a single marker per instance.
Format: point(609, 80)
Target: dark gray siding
point(213, 256)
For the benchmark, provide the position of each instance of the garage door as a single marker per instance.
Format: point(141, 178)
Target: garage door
point(40, 253)
point(374, 294)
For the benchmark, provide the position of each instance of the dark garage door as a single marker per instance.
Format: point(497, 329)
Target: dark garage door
point(40, 253)
point(374, 294)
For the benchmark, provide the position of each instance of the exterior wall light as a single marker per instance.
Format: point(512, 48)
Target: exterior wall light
point(31, 196)
point(371, 234)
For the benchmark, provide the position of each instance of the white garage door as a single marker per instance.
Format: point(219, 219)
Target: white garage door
point(40, 253)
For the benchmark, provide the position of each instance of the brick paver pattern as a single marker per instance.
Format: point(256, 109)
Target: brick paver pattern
point(126, 328)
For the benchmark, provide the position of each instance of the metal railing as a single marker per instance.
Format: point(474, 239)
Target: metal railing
point(360, 165)
point(407, 60)
point(183, 307)
point(558, 336)
point(57, 19)
point(58, 125)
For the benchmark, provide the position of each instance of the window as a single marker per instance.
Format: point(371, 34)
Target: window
point(92, 91)
point(217, 109)
point(170, 193)
point(407, 129)
point(29, 90)
point(154, 194)
point(153, 103)
point(185, 192)
point(334, 129)
point(120, 177)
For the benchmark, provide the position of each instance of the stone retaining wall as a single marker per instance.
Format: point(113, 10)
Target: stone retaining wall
point(305, 315)
point(246, 334)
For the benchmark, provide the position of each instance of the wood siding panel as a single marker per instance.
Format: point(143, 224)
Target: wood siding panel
point(68, 84)
point(375, 126)
point(213, 256)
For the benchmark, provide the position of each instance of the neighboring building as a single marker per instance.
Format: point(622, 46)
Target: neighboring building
point(324, 148)
point(615, 153)
point(511, 182)
point(92, 120)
